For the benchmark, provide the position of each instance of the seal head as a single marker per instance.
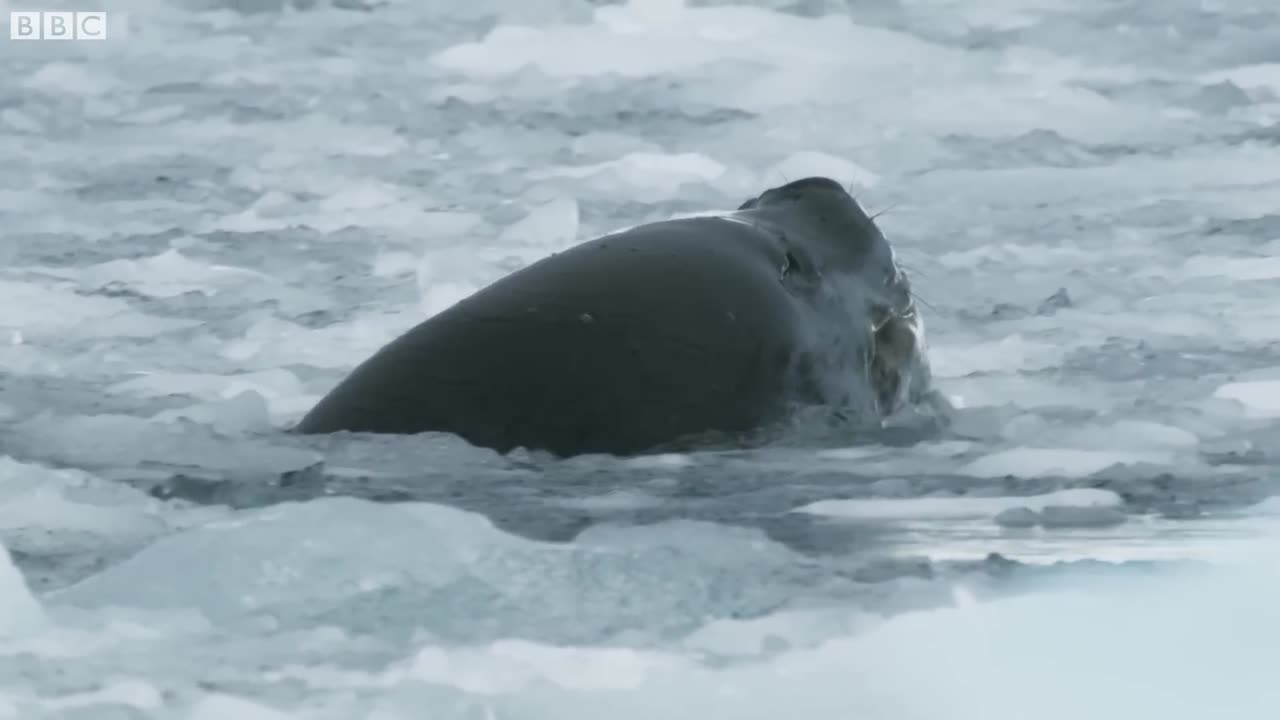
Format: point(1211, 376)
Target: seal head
point(860, 289)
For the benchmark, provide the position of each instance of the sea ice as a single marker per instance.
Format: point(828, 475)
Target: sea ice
point(958, 507)
point(231, 206)
point(45, 313)
point(280, 388)
point(550, 227)
point(1067, 462)
point(648, 176)
point(1011, 353)
point(217, 706)
point(1260, 398)
point(20, 612)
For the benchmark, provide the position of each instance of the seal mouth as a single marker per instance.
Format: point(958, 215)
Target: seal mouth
point(895, 340)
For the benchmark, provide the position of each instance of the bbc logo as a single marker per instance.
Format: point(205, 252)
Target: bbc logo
point(57, 26)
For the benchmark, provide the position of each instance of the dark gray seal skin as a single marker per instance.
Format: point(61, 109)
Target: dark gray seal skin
point(654, 335)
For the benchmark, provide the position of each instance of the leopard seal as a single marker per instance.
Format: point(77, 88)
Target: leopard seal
point(639, 339)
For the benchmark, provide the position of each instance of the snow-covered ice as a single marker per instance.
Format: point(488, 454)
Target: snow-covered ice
point(212, 216)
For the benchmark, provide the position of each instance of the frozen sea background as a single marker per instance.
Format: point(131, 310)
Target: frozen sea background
point(212, 216)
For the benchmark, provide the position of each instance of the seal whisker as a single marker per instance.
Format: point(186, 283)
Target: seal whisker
point(894, 206)
point(912, 270)
point(916, 296)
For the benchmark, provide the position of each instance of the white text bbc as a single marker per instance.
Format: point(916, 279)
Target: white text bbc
point(57, 26)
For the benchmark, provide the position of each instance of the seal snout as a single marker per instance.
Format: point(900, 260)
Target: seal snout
point(895, 349)
point(818, 217)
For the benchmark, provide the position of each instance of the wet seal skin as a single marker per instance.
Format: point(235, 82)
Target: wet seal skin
point(658, 334)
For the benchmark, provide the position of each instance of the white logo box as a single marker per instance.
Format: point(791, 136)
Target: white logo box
point(38, 25)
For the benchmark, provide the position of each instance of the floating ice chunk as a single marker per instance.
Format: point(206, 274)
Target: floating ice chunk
point(473, 93)
point(161, 115)
point(1010, 354)
point(851, 453)
point(71, 79)
point(558, 52)
point(438, 296)
point(318, 562)
point(272, 342)
point(1022, 256)
point(660, 461)
point(20, 121)
point(621, 42)
point(547, 228)
point(1260, 398)
point(1068, 462)
point(20, 612)
point(549, 224)
point(511, 665)
point(1026, 392)
point(933, 508)
point(1236, 268)
point(129, 693)
point(394, 264)
point(656, 14)
point(453, 267)
point(645, 171)
point(988, 660)
point(42, 311)
point(615, 500)
point(445, 226)
point(1132, 434)
point(272, 211)
point(1019, 517)
point(255, 559)
point(281, 389)
point(1062, 516)
point(209, 387)
point(1270, 506)
point(116, 441)
point(225, 707)
point(1001, 16)
point(1150, 324)
point(895, 487)
point(361, 196)
point(1262, 76)
point(37, 502)
point(245, 412)
point(66, 522)
point(447, 275)
point(612, 144)
point(366, 206)
point(808, 162)
point(775, 632)
point(165, 275)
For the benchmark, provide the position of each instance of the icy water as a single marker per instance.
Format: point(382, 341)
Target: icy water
point(209, 218)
